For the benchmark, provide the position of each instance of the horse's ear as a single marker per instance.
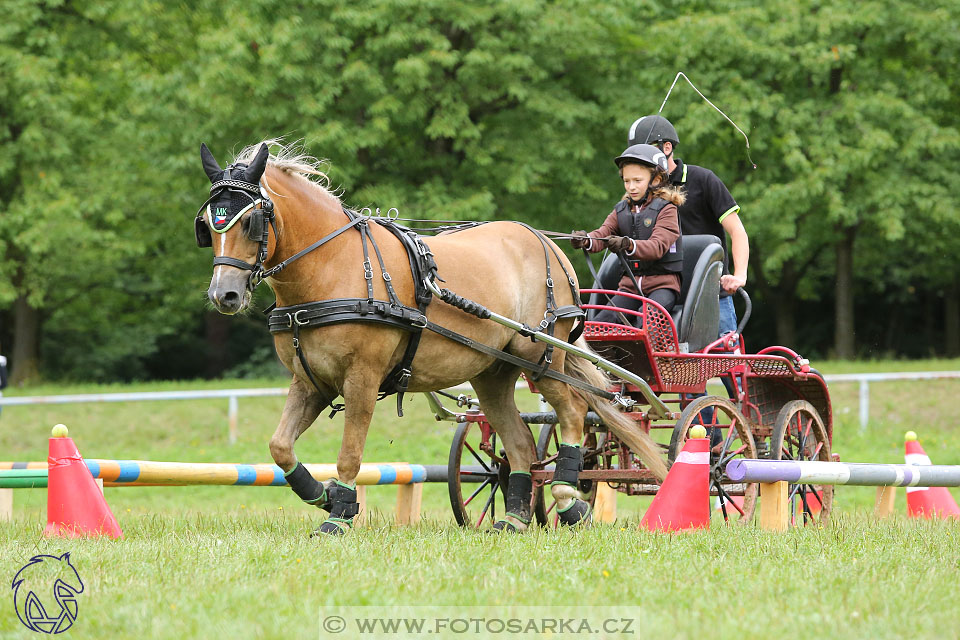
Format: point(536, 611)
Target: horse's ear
point(259, 163)
point(209, 163)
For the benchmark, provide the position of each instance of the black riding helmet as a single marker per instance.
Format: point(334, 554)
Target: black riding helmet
point(652, 129)
point(645, 154)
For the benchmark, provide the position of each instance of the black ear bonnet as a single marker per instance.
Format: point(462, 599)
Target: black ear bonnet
point(234, 191)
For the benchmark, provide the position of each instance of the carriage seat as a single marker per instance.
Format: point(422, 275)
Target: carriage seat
point(697, 314)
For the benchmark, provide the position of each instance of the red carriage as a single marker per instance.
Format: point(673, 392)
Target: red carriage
point(775, 406)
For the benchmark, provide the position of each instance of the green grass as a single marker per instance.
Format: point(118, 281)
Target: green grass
point(205, 561)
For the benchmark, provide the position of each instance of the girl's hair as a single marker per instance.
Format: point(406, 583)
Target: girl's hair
point(665, 190)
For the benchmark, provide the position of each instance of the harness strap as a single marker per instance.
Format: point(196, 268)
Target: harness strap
point(327, 238)
point(387, 280)
point(316, 314)
point(233, 262)
point(367, 267)
point(303, 359)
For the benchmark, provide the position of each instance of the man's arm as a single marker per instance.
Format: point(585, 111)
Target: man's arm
point(739, 251)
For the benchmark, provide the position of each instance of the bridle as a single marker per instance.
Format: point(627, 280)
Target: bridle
point(261, 220)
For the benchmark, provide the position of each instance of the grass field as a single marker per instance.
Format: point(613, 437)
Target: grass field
point(205, 561)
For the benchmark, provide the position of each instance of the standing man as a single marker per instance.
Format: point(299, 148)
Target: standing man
point(709, 208)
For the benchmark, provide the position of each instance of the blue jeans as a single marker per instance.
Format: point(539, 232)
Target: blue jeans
point(728, 316)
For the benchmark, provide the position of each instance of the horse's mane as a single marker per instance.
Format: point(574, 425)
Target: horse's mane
point(293, 160)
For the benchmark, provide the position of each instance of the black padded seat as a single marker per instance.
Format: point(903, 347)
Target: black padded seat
point(697, 316)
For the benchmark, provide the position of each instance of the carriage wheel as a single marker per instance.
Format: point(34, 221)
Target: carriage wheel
point(732, 438)
point(477, 477)
point(548, 444)
point(799, 434)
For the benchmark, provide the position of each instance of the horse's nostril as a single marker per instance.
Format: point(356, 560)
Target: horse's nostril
point(230, 298)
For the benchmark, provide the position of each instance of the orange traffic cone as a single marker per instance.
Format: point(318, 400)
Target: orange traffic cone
point(683, 501)
point(926, 502)
point(75, 505)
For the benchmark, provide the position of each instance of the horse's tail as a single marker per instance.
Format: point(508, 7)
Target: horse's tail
point(623, 427)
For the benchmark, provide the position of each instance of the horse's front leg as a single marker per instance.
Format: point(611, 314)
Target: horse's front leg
point(304, 404)
point(360, 389)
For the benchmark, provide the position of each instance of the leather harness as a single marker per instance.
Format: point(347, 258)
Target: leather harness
point(390, 312)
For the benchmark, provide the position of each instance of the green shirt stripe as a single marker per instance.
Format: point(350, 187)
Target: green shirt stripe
point(734, 209)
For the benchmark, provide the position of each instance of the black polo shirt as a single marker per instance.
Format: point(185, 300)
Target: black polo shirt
point(708, 203)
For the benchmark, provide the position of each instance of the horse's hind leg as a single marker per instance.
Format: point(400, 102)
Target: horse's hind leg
point(495, 391)
point(571, 410)
point(304, 404)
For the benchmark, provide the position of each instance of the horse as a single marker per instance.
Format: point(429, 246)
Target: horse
point(278, 210)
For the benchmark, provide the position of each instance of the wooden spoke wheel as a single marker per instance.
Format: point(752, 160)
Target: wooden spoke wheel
point(799, 434)
point(548, 445)
point(478, 475)
point(730, 437)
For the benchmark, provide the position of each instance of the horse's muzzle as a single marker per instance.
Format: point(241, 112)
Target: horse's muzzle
point(228, 293)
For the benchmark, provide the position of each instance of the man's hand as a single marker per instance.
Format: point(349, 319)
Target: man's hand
point(619, 243)
point(579, 240)
point(731, 283)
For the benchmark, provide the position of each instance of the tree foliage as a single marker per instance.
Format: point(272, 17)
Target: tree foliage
point(499, 110)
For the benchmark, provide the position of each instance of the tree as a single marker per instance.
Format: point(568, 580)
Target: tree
point(834, 97)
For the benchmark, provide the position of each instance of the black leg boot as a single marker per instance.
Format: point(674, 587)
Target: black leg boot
point(519, 497)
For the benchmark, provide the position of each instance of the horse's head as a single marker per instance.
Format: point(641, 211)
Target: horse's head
point(236, 222)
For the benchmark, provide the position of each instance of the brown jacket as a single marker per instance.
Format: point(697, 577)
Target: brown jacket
point(665, 233)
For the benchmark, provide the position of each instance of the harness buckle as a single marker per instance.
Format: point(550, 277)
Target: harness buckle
point(367, 270)
point(550, 283)
point(403, 378)
point(386, 277)
point(296, 318)
point(419, 322)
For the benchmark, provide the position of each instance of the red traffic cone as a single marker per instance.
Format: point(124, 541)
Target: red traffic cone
point(683, 501)
point(75, 505)
point(926, 502)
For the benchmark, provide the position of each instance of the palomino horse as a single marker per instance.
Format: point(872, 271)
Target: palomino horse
point(497, 265)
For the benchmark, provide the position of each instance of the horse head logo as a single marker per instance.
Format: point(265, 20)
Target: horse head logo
point(55, 580)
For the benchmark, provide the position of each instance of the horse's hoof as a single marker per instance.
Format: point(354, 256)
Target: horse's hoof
point(331, 527)
point(509, 524)
point(503, 527)
point(578, 513)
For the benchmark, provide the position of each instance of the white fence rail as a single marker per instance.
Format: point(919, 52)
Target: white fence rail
point(232, 395)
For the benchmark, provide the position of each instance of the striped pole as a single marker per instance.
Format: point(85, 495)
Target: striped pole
point(848, 473)
point(120, 473)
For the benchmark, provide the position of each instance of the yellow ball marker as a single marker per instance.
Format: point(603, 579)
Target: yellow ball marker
point(697, 431)
point(59, 431)
point(910, 436)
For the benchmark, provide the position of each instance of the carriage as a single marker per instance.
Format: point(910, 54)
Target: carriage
point(775, 406)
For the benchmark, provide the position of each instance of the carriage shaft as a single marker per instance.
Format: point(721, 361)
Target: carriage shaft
point(657, 408)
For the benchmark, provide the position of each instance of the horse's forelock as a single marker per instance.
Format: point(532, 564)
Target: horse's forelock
point(291, 159)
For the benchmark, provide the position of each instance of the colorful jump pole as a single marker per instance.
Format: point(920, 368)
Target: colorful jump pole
point(144, 473)
point(848, 473)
